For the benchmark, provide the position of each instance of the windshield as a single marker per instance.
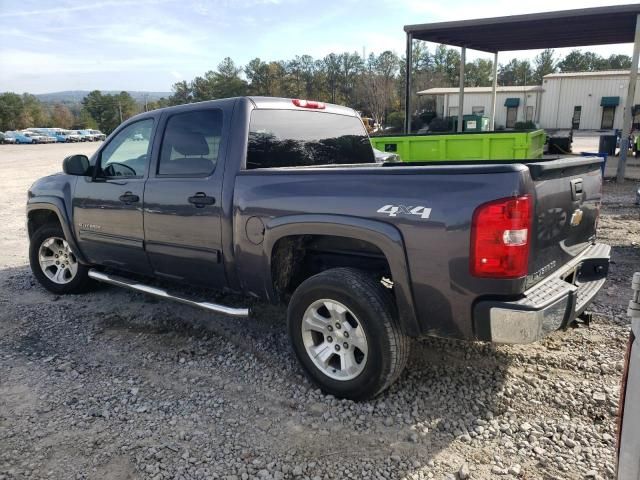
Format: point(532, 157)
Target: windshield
point(291, 138)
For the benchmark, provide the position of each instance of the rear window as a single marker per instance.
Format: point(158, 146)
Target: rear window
point(290, 138)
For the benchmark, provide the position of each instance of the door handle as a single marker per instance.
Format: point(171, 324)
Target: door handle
point(128, 198)
point(201, 199)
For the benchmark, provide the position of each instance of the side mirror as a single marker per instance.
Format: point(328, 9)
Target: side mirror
point(76, 165)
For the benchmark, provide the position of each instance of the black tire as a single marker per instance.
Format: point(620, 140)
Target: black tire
point(373, 306)
point(80, 282)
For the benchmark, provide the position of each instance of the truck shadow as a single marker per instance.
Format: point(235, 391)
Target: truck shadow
point(450, 392)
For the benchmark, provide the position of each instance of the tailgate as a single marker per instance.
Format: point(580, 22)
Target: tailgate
point(567, 202)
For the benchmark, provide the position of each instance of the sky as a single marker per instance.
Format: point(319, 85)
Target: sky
point(151, 44)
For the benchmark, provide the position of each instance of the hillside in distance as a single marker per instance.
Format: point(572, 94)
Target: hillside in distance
point(76, 96)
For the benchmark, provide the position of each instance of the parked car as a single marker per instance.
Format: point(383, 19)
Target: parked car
point(37, 137)
point(98, 135)
point(72, 136)
point(48, 133)
point(4, 138)
point(282, 200)
point(84, 135)
point(20, 137)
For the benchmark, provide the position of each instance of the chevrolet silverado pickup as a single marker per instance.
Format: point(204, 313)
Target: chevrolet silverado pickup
point(282, 200)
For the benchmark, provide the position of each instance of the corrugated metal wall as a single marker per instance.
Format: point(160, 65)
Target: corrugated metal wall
point(562, 94)
point(484, 100)
point(556, 103)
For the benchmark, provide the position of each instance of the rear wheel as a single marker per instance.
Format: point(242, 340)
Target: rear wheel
point(54, 264)
point(344, 330)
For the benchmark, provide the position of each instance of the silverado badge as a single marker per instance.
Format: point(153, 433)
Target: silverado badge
point(576, 218)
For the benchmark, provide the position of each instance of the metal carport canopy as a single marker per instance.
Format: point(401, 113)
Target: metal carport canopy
point(567, 28)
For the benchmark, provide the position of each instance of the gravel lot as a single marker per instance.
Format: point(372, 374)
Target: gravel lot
point(115, 385)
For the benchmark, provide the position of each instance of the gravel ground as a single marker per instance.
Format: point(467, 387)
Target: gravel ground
point(116, 385)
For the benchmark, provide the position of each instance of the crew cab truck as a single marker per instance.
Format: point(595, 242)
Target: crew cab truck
point(283, 201)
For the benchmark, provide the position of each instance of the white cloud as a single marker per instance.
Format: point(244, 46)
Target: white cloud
point(13, 33)
point(59, 9)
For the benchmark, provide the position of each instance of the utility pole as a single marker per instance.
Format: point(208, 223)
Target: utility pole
point(628, 106)
point(120, 110)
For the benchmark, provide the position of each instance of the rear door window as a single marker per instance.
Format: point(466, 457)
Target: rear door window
point(291, 138)
point(191, 144)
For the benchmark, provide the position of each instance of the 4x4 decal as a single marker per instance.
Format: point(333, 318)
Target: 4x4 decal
point(395, 210)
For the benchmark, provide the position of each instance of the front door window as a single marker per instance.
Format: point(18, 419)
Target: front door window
point(126, 154)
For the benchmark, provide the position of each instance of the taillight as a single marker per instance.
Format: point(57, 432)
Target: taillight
point(500, 238)
point(308, 104)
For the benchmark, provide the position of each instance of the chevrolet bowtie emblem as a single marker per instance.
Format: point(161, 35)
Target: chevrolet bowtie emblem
point(576, 218)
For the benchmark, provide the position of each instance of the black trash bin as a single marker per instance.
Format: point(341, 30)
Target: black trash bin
point(608, 144)
point(559, 145)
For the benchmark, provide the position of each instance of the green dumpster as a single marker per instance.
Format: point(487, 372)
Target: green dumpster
point(475, 123)
point(507, 145)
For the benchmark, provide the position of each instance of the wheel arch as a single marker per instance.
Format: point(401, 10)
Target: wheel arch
point(45, 210)
point(384, 237)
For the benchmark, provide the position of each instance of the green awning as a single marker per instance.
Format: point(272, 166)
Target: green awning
point(610, 101)
point(512, 102)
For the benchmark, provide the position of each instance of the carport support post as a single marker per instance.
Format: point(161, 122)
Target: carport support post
point(407, 84)
point(494, 90)
point(628, 105)
point(463, 55)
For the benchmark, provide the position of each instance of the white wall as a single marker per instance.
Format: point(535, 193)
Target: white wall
point(562, 94)
point(484, 99)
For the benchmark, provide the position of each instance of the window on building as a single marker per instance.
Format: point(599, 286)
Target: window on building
point(453, 111)
point(477, 110)
point(575, 121)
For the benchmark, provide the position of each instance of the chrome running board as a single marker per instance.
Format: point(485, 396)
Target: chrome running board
point(158, 292)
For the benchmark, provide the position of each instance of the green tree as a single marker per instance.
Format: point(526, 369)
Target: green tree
point(11, 110)
point(331, 70)
point(109, 111)
point(227, 81)
point(578, 61)
point(61, 116)
point(544, 63)
point(85, 120)
point(516, 72)
point(350, 66)
point(259, 76)
point(182, 93)
point(34, 111)
point(619, 62)
point(446, 64)
point(478, 73)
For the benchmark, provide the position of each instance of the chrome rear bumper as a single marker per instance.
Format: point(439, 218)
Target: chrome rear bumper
point(551, 304)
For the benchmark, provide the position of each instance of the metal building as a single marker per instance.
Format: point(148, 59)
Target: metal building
point(513, 104)
point(578, 100)
point(585, 100)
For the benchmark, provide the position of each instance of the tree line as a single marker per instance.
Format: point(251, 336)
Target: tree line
point(96, 111)
point(372, 84)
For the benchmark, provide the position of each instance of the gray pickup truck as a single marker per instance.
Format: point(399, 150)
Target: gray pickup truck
point(283, 201)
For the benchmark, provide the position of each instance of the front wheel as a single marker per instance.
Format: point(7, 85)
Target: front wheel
point(344, 330)
point(53, 263)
